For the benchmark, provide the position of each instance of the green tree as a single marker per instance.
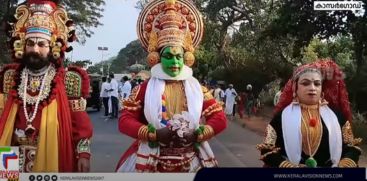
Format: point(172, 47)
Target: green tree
point(133, 53)
point(85, 14)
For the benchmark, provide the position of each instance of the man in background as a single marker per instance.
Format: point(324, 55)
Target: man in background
point(114, 96)
point(104, 95)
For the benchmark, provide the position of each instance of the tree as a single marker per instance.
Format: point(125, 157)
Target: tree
point(298, 19)
point(133, 53)
point(6, 7)
point(85, 14)
point(140, 4)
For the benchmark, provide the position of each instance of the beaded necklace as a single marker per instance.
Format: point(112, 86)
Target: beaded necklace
point(25, 74)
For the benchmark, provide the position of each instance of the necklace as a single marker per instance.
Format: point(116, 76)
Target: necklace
point(30, 129)
point(34, 83)
point(311, 162)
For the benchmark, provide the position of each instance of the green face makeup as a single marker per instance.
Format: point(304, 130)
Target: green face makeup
point(172, 60)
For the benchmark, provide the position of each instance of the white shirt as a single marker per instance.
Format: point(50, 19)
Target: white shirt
point(126, 89)
point(114, 86)
point(231, 95)
point(218, 94)
point(104, 89)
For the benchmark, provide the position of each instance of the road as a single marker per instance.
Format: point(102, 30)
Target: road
point(234, 147)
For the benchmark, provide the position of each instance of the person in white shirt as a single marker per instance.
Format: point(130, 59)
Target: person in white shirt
point(104, 95)
point(218, 94)
point(126, 88)
point(114, 96)
point(230, 96)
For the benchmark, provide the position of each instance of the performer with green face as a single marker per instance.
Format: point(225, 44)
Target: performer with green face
point(163, 114)
point(172, 60)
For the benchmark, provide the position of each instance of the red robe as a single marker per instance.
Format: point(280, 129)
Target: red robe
point(133, 118)
point(73, 126)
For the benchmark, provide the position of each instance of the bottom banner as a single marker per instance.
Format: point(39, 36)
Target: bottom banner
point(336, 174)
point(106, 176)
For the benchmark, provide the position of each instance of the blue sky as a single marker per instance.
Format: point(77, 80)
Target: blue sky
point(118, 29)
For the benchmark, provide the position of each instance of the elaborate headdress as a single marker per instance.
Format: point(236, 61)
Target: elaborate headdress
point(42, 19)
point(333, 86)
point(165, 23)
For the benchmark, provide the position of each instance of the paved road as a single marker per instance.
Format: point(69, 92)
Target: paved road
point(234, 147)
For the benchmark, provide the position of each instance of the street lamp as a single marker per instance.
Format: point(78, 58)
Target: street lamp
point(102, 49)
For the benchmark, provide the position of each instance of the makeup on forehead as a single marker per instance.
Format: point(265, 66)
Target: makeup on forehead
point(37, 40)
point(174, 50)
point(310, 80)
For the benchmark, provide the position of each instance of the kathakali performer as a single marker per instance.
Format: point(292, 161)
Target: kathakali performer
point(166, 113)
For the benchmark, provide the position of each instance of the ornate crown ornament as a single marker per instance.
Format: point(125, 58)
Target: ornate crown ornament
point(42, 19)
point(165, 23)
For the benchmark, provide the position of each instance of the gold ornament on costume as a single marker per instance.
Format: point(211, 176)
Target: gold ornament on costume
point(153, 58)
point(165, 23)
point(41, 19)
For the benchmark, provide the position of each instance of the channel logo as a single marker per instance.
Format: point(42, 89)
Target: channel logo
point(9, 163)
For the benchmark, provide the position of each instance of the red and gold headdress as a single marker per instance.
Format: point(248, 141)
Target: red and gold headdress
point(165, 23)
point(42, 19)
point(333, 87)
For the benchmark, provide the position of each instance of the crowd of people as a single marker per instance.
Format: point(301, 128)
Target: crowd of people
point(243, 102)
point(112, 93)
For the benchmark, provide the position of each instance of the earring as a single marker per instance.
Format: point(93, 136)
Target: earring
point(295, 99)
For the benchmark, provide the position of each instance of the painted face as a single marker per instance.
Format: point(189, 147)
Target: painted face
point(36, 53)
point(309, 88)
point(38, 45)
point(172, 60)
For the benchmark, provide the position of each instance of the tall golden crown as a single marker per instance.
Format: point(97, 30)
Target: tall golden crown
point(165, 23)
point(42, 19)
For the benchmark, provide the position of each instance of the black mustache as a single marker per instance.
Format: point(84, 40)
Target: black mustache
point(33, 55)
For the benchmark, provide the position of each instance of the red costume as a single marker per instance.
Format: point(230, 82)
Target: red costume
point(44, 113)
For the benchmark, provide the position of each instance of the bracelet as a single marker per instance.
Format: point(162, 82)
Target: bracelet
point(347, 162)
point(78, 105)
point(152, 136)
point(143, 133)
point(204, 133)
point(275, 150)
point(83, 146)
point(287, 164)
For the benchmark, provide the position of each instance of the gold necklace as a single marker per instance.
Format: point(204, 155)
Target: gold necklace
point(311, 162)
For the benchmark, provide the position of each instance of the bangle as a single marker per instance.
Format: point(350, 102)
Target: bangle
point(208, 132)
point(199, 132)
point(347, 162)
point(143, 133)
point(287, 164)
point(275, 150)
point(152, 136)
point(84, 146)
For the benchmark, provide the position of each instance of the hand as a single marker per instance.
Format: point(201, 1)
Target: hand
point(83, 165)
point(302, 166)
point(165, 135)
point(189, 138)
